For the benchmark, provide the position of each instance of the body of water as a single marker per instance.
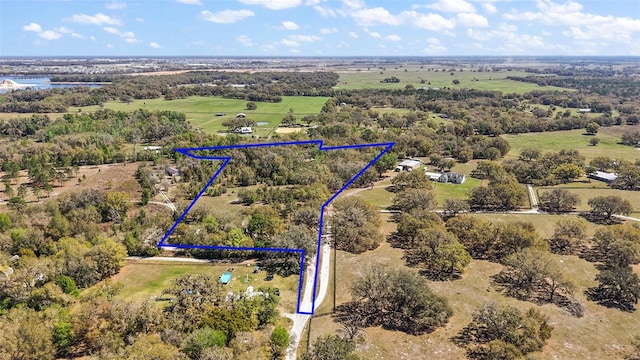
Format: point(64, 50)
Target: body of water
point(39, 83)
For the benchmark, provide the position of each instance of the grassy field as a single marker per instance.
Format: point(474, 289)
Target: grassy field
point(571, 140)
point(597, 188)
point(201, 111)
point(601, 333)
point(142, 280)
point(414, 75)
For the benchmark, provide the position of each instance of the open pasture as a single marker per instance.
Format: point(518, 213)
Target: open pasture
point(414, 75)
point(602, 332)
point(571, 140)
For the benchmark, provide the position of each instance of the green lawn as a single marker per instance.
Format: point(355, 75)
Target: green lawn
point(414, 75)
point(454, 191)
point(571, 140)
point(142, 280)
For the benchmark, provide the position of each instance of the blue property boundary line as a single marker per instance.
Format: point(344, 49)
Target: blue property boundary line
point(225, 161)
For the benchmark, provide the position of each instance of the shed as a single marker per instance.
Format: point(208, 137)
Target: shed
point(433, 176)
point(225, 278)
point(409, 164)
point(603, 176)
point(171, 171)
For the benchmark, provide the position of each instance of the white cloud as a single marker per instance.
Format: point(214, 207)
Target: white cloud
point(116, 5)
point(289, 25)
point(377, 15)
point(190, 2)
point(434, 46)
point(455, 6)
point(128, 36)
point(472, 20)
point(97, 19)
point(393, 37)
point(226, 16)
point(433, 22)
point(50, 35)
point(312, 2)
point(375, 34)
point(353, 35)
point(110, 46)
point(581, 26)
point(54, 34)
point(435, 49)
point(490, 8)
point(294, 51)
point(354, 4)
point(273, 4)
point(295, 40)
point(92, 38)
point(111, 30)
point(325, 12)
point(139, 19)
point(64, 30)
point(244, 40)
point(328, 31)
point(32, 27)
point(155, 45)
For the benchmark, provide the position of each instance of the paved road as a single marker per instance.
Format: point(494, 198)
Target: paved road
point(300, 320)
point(532, 198)
point(168, 201)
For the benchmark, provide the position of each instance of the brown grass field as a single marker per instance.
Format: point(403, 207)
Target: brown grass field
point(601, 333)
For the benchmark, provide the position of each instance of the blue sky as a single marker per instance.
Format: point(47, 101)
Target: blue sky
point(318, 27)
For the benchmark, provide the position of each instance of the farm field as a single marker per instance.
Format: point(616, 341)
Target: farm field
point(602, 332)
point(414, 75)
point(571, 140)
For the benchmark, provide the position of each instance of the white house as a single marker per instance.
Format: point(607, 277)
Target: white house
point(243, 130)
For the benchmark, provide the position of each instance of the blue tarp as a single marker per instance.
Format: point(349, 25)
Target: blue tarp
point(225, 277)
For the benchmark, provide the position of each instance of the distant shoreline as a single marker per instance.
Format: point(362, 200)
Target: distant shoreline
point(78, 83)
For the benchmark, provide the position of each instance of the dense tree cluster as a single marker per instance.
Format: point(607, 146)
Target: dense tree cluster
point(531, 274)
point(355, 225)
point(533, 167)
point(493, 241)
point(505, 332)
point(397, 299)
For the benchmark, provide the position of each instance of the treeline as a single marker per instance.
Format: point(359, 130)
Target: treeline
point(603, 85)
point(57, 146)
point(491, 113)
point(268, 86)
